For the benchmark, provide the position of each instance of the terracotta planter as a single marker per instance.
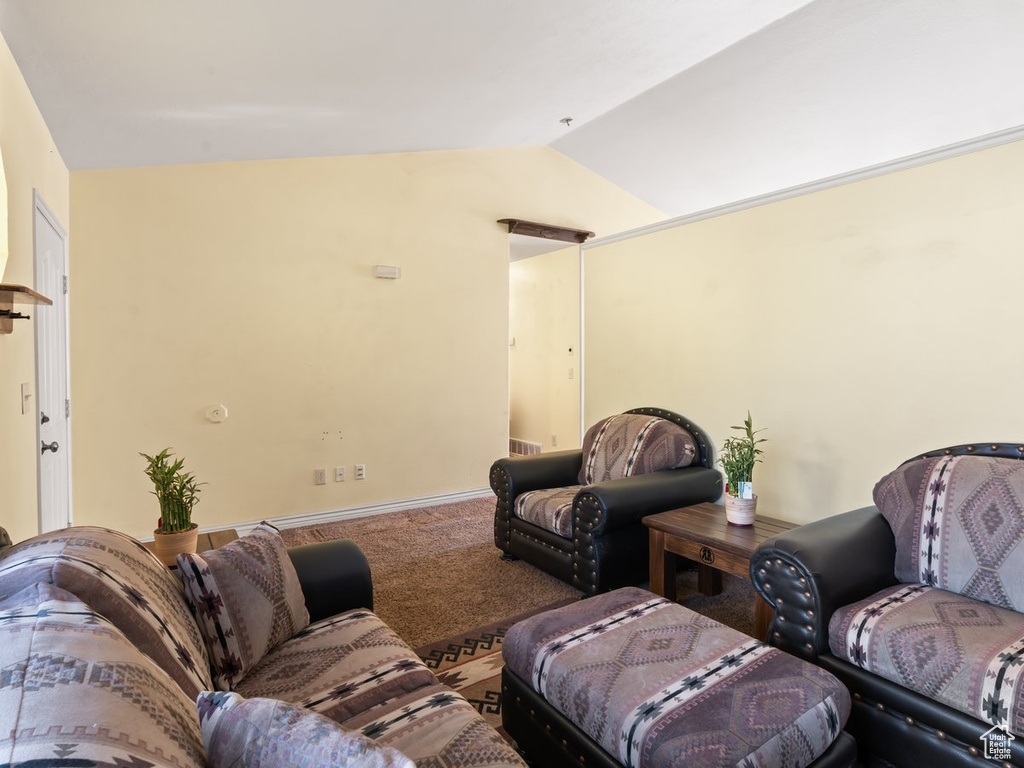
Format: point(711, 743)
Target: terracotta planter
point(167, 546)
point(740, 511)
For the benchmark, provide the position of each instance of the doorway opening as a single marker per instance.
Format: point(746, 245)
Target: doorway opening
point(544, 344)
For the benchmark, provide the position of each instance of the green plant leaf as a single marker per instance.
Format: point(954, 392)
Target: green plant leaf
point(176, 490)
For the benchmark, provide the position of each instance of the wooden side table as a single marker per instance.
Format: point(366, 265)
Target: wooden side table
point(701, 533)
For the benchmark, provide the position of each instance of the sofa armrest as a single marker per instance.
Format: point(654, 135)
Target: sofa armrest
point(511, 477)
point(809, 572)
point(613, 504)
point(530, 473)
point(335, 577)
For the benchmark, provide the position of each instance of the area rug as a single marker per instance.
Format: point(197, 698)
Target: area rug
point(470, 662)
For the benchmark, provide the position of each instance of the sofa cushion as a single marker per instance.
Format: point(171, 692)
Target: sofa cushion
point(435, 726)
point(656, 684)
point(633, 444)
point(338, 667)
point(962, 652)
point(75, 691)
point(265, 733)
point(959, 525)
point(121, 580)
point(550, 509)
point(247, 599)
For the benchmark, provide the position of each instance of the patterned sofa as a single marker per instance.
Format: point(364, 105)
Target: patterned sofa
point(578, 514)
point(917, 605)
point(256, 653)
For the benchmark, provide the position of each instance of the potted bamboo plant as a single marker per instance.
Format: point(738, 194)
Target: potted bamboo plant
point(738, 456)
point(177, 492)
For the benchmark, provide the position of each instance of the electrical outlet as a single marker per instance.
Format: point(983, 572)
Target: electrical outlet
point(360, 471)
point(339, 474)
point(554, 441)
point(571, 372)
point(319, 477)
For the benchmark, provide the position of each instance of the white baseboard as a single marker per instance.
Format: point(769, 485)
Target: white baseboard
point(333, 515)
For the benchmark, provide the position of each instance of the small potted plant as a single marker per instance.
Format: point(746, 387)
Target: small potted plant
point(738, 456)
point(178, 492)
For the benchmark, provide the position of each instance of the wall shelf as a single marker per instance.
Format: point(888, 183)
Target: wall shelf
point(16, 294)
point(547, 231)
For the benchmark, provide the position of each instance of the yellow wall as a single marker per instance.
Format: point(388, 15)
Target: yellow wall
point(861, 325)
point(30, 161)
point(250, 284)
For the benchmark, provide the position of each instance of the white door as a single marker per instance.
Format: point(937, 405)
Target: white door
point(52, 381)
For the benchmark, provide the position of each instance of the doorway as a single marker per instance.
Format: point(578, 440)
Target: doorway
point(544, 337)
point(53, 392)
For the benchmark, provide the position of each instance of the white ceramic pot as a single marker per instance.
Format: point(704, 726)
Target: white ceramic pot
point(740, 511)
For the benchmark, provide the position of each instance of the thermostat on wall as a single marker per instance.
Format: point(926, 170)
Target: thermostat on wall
point(216, 413)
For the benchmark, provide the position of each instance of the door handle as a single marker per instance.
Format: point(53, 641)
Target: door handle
point(43, 418)
point(51, 447)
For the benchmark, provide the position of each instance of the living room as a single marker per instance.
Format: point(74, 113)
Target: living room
point(863, 311)
point(234, 263)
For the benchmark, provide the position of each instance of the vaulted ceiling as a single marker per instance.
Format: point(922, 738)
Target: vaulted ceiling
point(684, 103)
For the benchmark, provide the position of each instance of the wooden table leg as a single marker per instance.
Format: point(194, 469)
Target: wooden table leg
point(663, 567)
point(709, 580)
point(763, 615)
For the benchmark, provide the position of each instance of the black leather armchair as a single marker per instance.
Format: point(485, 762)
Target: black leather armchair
point(808, 573)
point(608, 547)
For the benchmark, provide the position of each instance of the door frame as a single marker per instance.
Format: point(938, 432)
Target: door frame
point(40, 207)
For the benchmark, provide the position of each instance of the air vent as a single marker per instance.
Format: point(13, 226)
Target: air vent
point(518, 447)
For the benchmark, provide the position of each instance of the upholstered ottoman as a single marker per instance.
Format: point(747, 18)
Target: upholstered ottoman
point(628, 678)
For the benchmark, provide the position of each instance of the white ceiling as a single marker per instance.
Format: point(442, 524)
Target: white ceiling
point(685, 103)
point(144, 82)
point(838, 86)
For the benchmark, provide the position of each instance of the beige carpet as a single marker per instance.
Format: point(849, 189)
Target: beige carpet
point(436, 571)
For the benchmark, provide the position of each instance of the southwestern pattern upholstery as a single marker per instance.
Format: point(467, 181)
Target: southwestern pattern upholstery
point(247, 733)
point(660, 461)
point(61, 663)
point(914, 605)
point(550, 509)
point(77, 689)
point(945, 646)
point(339, 667)
point(630, 444)
point(247, 600)
point(122, 581)
point(959, 525)
point(657, 685)
point(437, 728)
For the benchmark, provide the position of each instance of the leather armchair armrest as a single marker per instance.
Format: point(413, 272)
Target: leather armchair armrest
point(530, 473)
point(613, 504)
point(335, 577)
point(809, 572)
point(511, 477)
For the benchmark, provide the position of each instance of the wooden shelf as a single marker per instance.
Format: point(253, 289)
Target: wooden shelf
point(546, 231)
point(20, 294)
point(16, 294)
